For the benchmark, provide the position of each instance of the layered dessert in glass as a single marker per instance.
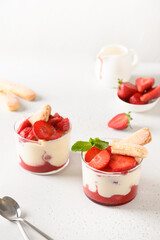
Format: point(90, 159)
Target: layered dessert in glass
point(111, 170)
point(43, 142)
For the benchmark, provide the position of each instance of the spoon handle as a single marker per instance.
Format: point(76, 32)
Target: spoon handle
point(22, 230)
point(36, 229)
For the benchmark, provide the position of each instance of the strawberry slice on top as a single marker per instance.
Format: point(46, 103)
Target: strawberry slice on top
point(100, 160)
point(144, 83)
point(91, 153)
point(43, 130)
point(63, 125)
point(24, 124)
point(53, 120)
point(55, 135)
point(119, 163)
point(120, 121)
point(25, 132)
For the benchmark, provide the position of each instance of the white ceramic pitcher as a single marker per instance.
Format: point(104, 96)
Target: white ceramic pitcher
point(113, 62)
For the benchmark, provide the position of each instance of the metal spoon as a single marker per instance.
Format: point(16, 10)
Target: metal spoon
point(10, 209)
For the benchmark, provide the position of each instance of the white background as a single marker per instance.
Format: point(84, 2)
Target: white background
point(51, 46)
point(46, 29)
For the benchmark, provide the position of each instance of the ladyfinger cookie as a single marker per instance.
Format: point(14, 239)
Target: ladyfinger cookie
point(16, 89)
point(9, 101)
point(141, 137)
point(129, 149)
point(42, 114)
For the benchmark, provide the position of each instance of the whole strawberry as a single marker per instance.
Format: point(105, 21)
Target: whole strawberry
point(126, 89)
point(120, 121)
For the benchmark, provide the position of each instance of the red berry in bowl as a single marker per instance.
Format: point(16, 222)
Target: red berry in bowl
point(135, 99)
point(126, 90)
point(144, 84)
point(151, 94)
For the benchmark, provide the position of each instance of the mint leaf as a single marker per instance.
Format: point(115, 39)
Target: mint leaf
point(100, 144)
point(91, 140)
point(85, 146)
point(81, 146)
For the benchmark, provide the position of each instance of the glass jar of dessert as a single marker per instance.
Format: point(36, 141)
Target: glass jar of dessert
point(43, 142)
point(108, 187)
point(111, 170)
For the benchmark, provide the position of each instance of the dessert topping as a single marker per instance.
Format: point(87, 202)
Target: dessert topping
point(101, 160)
point(85, 146)
point(42, 114)
point(120, 163)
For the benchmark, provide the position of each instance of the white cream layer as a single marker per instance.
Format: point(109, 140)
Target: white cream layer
point(33, 153)
point(109, 185)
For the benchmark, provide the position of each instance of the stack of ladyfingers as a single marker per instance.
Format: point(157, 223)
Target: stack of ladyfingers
point(8, 91)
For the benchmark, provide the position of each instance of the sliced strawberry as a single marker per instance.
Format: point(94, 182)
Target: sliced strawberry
point(120, 163)
point(144, 83)
point(135, 99)
point(53, 120)
point(126, 90)
point(31, 136)
point(151, 94)
point(25, 132)
point(43, 130)
point(109, 149)
point(63, 125)
point(56, 135)
point(24, 124)
point(57, 115)
point(101, 160)
point(120, 121)
point(91, 153)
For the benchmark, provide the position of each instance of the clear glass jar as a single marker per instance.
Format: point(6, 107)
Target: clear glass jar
point(110, 188)
point(43, 157)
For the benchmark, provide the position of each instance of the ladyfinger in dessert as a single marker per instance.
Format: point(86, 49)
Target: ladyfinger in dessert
point(42, 114)
point(18, 90)
point(129, 149)
point(133, 145)
point(141, 137)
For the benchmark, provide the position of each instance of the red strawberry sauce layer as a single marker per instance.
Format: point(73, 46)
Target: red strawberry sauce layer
point(46, 167)
point(113, 200)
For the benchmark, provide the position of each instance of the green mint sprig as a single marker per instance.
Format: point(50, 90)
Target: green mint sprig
point(84, 146)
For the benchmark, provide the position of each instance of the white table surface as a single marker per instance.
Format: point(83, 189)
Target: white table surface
point(56, 203)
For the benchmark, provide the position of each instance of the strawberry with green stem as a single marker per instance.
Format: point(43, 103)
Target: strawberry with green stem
point(120, 121)
point(125, 89)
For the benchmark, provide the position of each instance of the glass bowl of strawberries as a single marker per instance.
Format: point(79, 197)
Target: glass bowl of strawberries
point(111, 170)
point(43, 142)
point(138, 97)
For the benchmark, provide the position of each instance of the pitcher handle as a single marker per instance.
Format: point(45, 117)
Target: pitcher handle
point(135, 58)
